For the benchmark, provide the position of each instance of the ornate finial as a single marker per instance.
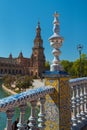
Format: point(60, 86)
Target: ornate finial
point(10, 56)
point(38, 40)
point(56, 14)
point(38, 23)
point(20, 55)
point(56, 42)
point(38, 29)
point(56, 23)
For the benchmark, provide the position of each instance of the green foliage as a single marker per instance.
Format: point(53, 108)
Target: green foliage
point(21, 82)
point(8, 80)
point(67, 65)
point(24, 82)
point(73, 68)
point(47, 65)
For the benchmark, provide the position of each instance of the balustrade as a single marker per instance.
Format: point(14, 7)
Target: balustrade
point(20, 100)
point(78, 102)
point(78, 106)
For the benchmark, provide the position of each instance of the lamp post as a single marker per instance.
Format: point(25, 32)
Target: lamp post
point(80, 47)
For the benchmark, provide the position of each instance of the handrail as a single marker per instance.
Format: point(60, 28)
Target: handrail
point(78, 81)
point(78, 100)
point(30, 95)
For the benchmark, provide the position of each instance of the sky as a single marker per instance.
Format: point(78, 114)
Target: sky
point(19, 18)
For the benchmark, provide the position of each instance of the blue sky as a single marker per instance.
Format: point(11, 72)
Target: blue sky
point(18, 21)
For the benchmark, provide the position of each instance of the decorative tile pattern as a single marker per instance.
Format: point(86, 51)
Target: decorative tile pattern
point(18, 99)
point(51, 105)
point(58, 104)
point(65, 112)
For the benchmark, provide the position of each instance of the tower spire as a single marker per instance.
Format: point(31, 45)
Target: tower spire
point(38, 30)
point(56, 42)
point(38, 40)
point(10, 55)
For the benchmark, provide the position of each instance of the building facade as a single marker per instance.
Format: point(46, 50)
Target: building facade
point(33, 66)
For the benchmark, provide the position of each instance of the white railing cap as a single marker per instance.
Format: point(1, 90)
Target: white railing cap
point(77, 81)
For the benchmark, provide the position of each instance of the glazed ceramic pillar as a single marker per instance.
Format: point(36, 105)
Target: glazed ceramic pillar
point(10, 114)
point(56, 42)
point(21, 120)
point(57, 106)
point(33, 119)
point(41, 115)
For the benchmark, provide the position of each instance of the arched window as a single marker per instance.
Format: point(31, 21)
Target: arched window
point(16, 71)
point(1, 71)
point(20, 72)
point(9, 71)
point(5, 70)
point(31, 73)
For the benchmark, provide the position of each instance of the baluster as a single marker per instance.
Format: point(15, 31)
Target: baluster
point(10, 114)
point(73, 102)
point(41, 115)
point(78, 104)
point(32, 119)
point(85, 100)
point(20, 125)
point(82, 102)
point(86, 93)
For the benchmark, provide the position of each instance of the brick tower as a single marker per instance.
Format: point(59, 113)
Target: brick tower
point(37, 61)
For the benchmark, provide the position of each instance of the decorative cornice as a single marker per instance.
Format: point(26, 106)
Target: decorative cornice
point(55, 74)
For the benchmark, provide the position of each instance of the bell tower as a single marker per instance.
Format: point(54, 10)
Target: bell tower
point(38, 58)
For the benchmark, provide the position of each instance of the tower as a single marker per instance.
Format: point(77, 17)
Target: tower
point(37, 62)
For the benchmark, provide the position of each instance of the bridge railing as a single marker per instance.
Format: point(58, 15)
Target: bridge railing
point(78, 99)
point(78, 102)
point(8, 105)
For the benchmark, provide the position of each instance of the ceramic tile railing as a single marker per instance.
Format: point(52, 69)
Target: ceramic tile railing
point(78, 102)
point(33, 96)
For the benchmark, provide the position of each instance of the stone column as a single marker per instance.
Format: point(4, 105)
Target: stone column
point(41, 115)
point(21, 120)
point(57, 106)
point(33, 119)
point(10, 114)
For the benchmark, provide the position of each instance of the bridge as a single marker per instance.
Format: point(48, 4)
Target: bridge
point(72, 106)
point(62, 101)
